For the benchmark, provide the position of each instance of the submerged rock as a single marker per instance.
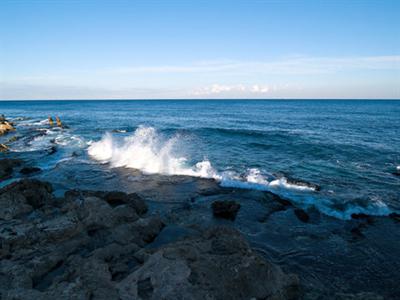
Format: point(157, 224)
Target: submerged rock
point(6, 167)
point(30, 170)
point(225, 209)
point(301, 215)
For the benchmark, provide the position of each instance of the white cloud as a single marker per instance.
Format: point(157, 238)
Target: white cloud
point(290, 77)
point(237, 90)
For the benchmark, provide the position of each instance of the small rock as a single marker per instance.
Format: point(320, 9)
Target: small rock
point(6, 167)
point(30, 170)
point(395, 216)
point(225, 209)
point(301, 215)
point(6, 127)
point(3, 148)
point(51, 122)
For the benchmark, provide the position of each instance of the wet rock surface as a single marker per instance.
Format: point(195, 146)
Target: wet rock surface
point(95, 245)
point(225, 209)
point(5, 125)
point(7, 166)
point(29, 170)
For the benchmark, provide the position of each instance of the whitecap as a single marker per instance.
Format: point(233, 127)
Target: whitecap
point(149, 152)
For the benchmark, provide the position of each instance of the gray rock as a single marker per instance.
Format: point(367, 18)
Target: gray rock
point(23, 196)
point(218, 265)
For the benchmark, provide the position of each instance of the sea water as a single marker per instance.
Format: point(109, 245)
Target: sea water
point(341, 157)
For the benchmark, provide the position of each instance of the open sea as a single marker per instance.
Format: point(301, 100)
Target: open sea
point(341, 157)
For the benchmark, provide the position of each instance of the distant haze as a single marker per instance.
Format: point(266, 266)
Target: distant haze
point(199, 50)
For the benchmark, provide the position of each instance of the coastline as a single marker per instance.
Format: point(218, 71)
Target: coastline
point(85, 243)
point(132, 235)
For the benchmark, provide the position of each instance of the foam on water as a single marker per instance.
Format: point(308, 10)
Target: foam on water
point(148, 151)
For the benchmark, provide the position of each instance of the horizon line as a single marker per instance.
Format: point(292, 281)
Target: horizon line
point(207, 99)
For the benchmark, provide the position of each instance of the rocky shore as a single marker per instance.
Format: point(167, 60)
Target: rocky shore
point(95, 245)
point(137, 236)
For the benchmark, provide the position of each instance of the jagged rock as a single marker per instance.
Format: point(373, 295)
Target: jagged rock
point(6, 127)
point(114, 199)
point(30, 170)
point(217, 265)
point(303, 183)
point(51, 122)
point(59, 123)
point(23, 196)
point(225, 209)
point(3, 148)
point(94, 245)
point(6, 167)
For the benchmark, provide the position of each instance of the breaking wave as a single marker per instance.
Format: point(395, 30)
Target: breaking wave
point(148, 151)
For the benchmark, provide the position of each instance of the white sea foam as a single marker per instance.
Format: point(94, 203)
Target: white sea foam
point(398, 168)
point(147, 151)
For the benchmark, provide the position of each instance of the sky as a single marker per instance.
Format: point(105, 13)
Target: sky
point(117, 49)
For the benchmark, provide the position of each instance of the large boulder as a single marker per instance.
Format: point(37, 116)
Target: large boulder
point(217, 265)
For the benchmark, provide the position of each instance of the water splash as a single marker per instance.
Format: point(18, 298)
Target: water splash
point(148, 151)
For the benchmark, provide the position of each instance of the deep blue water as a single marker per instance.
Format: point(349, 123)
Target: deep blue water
point(351, 149)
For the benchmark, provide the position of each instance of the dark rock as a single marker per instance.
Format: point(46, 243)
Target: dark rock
point(116, 198)
point(138, 203)
point(217, 265)
point(225, 209)
point(6, 167)
point(298, 182)
point(30, 170)
point(301, 215)
point(145, 288)
point(395, 216)
point(134, 200)
point(52, 150)
point(356, 231)
point(23, 196)
point(363, 217)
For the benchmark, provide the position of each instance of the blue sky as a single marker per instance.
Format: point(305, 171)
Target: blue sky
point(199, 49)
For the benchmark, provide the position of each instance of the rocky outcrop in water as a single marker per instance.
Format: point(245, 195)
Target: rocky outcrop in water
point(5, 126)
point(7, 166)
point(94, 245)
point(3, 148)
point(29, 170)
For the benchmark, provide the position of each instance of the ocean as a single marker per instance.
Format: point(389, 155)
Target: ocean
point(339, 156)
point(318, 182)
